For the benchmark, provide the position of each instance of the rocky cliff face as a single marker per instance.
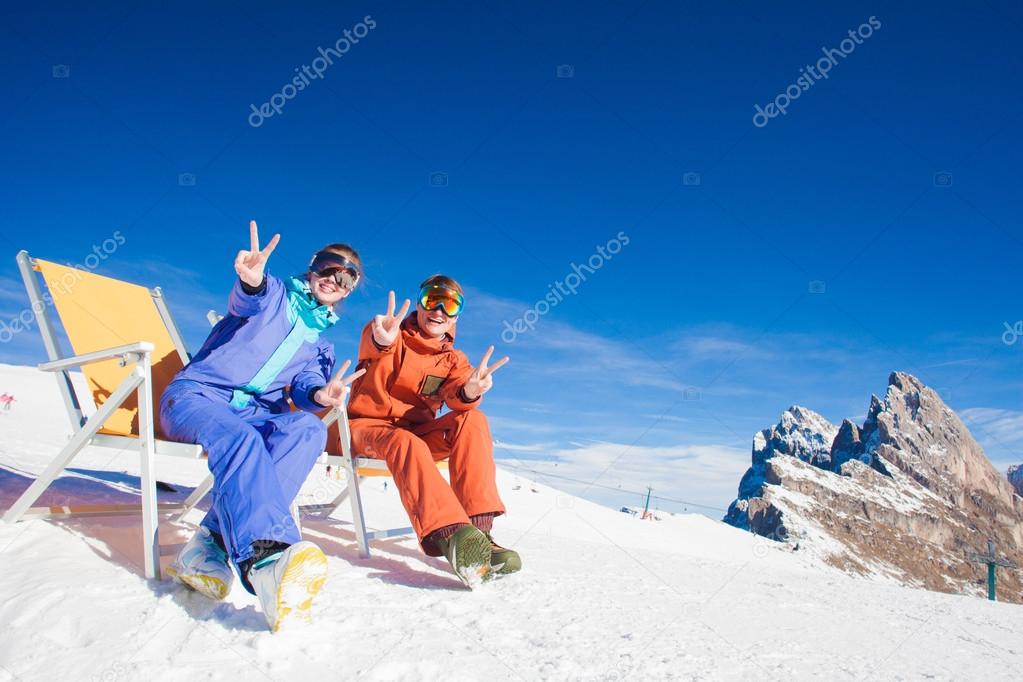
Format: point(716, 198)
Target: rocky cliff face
point(801, 433)
point(908, 495)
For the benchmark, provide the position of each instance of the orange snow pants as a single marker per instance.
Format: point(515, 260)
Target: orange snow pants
point(463, 438)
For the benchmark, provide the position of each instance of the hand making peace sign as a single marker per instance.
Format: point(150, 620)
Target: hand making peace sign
point(333, 394)
point(250, 264)
point(482, 378)
point(386, 327)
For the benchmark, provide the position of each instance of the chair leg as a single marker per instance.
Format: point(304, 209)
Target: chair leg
point(77, 442)
point(358, 517)
point(43, 481)
point(341, 497)
point(147, 449)
point(195, 498)
point(296, 516)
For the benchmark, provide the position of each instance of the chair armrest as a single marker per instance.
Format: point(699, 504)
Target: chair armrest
point(137, 348)
point(330, 417)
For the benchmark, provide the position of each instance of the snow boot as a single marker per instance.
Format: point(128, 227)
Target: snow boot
point(468, 552)
point(503, 560)
point(202, 565)
point(286, 582)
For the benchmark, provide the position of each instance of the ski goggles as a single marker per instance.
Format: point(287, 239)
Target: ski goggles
point(448, 300)
point(329, 264)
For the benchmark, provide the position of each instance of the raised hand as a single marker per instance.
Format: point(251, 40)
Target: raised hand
point(333, 394)
point(482, 378)
point(250, 264)
point(386, 327)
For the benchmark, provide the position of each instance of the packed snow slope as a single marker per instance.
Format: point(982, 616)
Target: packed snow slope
point(603, 595)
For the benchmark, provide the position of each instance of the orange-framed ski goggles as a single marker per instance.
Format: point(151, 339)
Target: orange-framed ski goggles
point(444, 298)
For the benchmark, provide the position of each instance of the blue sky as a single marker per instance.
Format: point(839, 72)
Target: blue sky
point(444, 140)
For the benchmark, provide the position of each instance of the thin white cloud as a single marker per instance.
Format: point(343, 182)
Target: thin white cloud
point(571, 353)
point(718, 347)
point(613, 473)
point(500, 424)
point(12, 290)
point(160, 271)
point(999, 431)
point(952, 363)
point(528, 447)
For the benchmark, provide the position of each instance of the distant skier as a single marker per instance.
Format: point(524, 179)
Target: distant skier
point(232, 398)
point(6, 400)
point(412, 369)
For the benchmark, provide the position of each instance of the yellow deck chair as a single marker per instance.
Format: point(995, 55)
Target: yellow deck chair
point(127, 346)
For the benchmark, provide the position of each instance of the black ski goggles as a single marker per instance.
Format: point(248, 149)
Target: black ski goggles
point(345, 272)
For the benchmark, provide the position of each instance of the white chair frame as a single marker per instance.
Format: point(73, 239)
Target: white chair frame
point(139, 380)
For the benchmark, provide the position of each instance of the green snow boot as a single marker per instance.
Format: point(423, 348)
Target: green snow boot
point(468, 551)
point(503, 560)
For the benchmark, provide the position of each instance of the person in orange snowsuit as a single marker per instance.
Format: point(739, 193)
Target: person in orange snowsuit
point(412, 369)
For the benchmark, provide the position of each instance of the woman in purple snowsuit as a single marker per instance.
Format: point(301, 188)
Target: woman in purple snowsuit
point(232, 398)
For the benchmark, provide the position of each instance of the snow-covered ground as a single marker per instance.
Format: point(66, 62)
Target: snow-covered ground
point(603, 595)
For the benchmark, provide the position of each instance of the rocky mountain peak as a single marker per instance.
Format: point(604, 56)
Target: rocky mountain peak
point(919, 434)
point(848, 444)
point(907, 495)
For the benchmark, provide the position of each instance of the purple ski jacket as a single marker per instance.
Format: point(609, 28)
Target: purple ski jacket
point(267, 348)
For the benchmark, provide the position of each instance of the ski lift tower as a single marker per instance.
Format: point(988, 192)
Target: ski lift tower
point(992, 560)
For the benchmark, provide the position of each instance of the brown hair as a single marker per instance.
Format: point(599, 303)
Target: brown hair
point(442, 281)
point(345, 250)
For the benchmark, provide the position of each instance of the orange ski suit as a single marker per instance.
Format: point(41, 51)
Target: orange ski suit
point(393, 410)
